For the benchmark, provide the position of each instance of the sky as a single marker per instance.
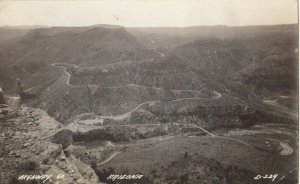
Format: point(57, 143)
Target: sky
point(148, 13)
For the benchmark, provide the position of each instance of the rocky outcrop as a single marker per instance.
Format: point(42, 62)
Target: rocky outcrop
point(23, 150)
point(73, 169)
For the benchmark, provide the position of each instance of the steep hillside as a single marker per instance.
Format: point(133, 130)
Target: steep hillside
point(168, 73)
point(24, 56)
point(162, 91)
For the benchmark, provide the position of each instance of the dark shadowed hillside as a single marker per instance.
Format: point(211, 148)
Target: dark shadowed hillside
point(262, 63)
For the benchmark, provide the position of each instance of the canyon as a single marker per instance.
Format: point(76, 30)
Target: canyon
point(216, 104)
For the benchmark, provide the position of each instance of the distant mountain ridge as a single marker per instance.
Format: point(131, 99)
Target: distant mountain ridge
point(171, 37)
point(84, 46)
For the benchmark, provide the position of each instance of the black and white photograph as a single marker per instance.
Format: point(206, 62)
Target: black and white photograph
point(149, 92)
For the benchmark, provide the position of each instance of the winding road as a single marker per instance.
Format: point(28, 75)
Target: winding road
point(280, 107)
point(150, 103)
point(286, 149)
point(124, 115)
point(218, 95)
point(109, 158)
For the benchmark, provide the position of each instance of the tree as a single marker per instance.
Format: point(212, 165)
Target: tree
point(186, 155)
